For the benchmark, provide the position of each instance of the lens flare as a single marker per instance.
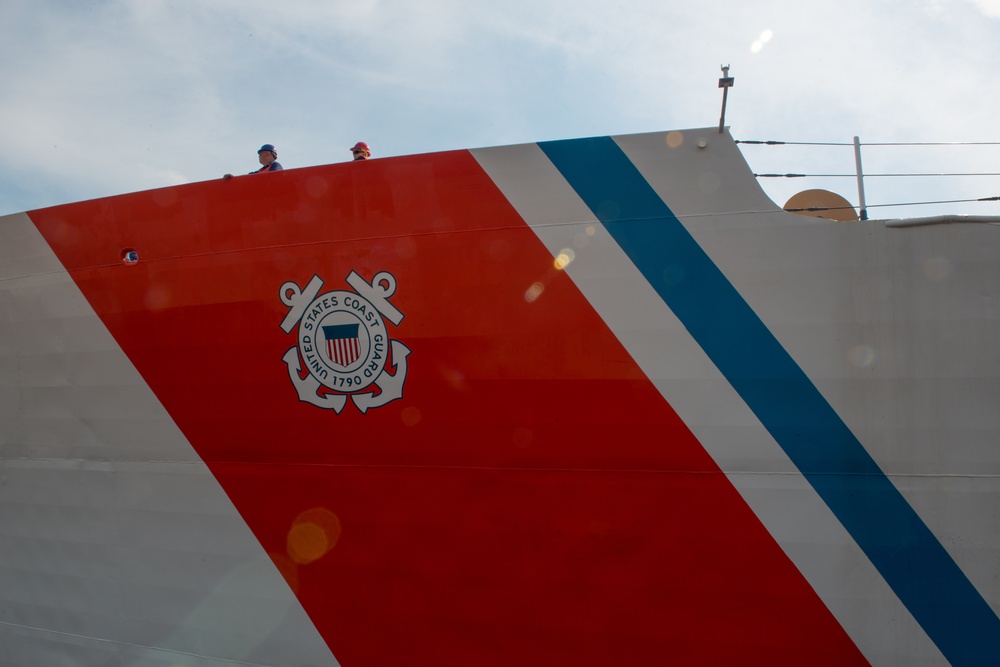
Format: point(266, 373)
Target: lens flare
point(759, 43)
point(564, 258)
point(862, 356)
point(937, 269)
point(410, 416)
point(313, 533)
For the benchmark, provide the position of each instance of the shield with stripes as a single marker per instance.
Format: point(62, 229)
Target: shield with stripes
point(342, 346)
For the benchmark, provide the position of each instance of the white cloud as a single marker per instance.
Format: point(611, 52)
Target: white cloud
point(190, 89)
point(990, 8)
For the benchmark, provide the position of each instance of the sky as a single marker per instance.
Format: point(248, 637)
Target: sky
point(105, 97)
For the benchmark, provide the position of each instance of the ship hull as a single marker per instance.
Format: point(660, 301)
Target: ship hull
point(585, 402)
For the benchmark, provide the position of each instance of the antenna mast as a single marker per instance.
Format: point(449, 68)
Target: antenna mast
point(726, 82)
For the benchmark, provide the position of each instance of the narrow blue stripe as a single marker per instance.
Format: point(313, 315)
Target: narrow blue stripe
point(910, 558)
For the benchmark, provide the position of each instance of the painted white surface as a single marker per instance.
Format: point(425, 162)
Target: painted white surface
point(898, 328)
point(117, 545)
point(789, 508)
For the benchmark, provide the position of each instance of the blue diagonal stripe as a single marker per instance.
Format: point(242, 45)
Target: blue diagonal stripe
point(910, 558)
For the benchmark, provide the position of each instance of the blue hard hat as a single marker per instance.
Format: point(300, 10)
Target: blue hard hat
point(266, 147)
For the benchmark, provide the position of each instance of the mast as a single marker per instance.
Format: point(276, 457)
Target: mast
point(726, 82)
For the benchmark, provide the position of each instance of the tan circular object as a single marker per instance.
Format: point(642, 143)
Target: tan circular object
point(832, 205)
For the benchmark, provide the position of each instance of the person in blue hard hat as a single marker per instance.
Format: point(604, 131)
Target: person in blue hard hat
point(268, 158)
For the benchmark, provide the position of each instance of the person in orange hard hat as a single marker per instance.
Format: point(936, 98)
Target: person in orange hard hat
point(268, 158)
point(360, 151)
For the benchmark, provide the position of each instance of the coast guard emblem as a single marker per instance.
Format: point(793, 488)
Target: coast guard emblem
point(343, 348)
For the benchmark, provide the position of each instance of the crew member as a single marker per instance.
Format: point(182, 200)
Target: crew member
point(268, 158)
point(360, 151)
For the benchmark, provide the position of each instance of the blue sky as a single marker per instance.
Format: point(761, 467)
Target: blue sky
point(112, 96)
